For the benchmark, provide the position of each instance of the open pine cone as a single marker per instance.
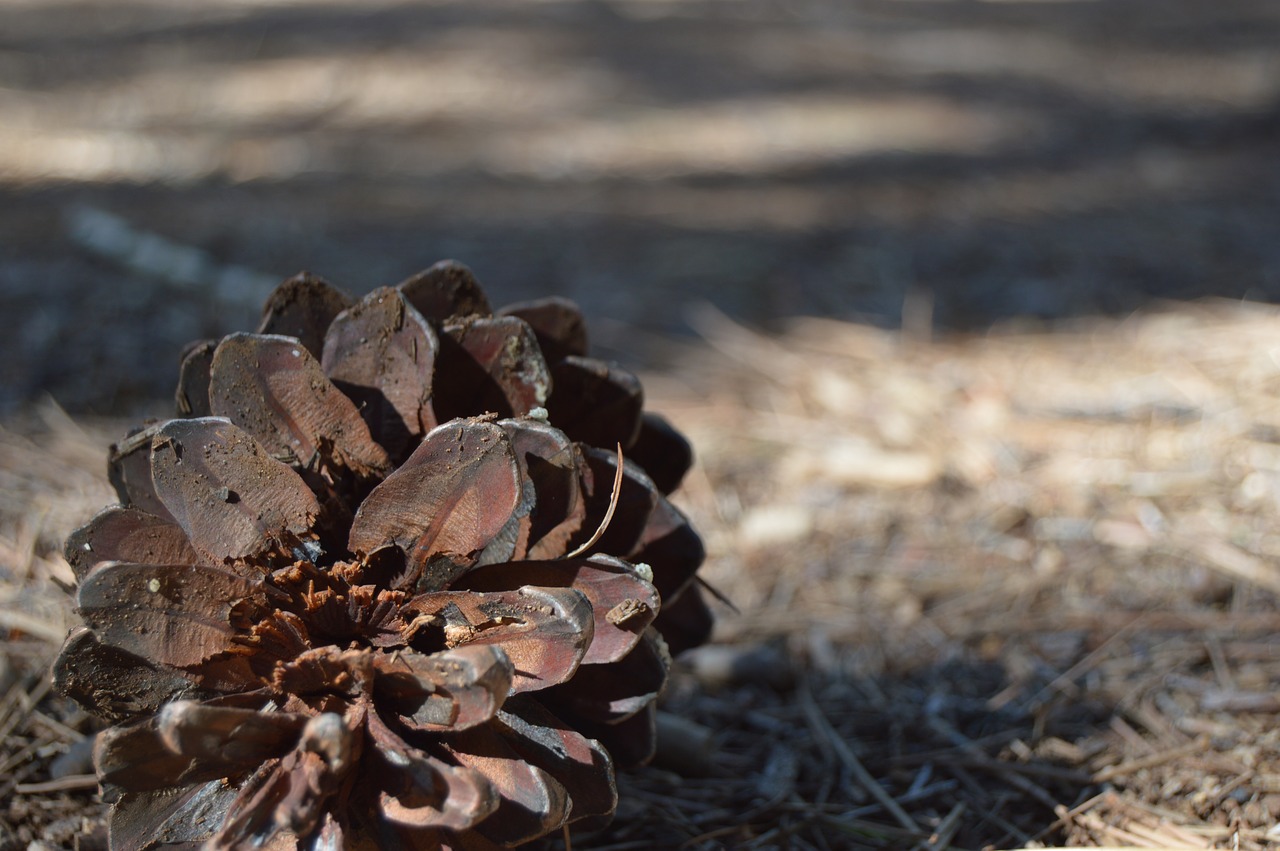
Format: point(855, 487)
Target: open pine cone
point(388, 583)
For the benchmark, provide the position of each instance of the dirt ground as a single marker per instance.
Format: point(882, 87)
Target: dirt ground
point(1002, 550)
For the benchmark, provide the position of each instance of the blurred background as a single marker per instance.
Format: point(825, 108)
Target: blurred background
point(163, 163)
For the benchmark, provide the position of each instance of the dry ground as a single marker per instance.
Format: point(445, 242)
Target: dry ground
point(992, 591)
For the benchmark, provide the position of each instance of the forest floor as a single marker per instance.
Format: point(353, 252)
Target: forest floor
point(992, 591)
point(997, 582)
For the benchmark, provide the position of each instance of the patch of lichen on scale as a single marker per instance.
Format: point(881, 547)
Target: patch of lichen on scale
point(402, 573)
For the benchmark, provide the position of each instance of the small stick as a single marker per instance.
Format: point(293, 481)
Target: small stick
point(56, 726)
point(29, 701)
point(70, 783)
point(49, 632)
point(1063, 682)
point(822, 727)
point(1235, 562)
point(717, 593)
point(1010, 829)
point(1067, 816)
point(941, 838)
point(20, 757)
point(1018, 781)
point(1221, 669)
point(986, 763)
point(1161, 758)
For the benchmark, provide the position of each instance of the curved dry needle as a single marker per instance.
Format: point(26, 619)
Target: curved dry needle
point(608, 515)
point(717, 593)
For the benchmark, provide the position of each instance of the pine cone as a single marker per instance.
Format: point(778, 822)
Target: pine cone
point(387, 583)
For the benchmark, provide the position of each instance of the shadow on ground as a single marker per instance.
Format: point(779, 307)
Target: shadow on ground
point(859, 762)
point(974, 161)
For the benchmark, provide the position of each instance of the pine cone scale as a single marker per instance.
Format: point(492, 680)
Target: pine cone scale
point(177, 615)
point(222, 488)
point(274, 389)
point(451, 497)
point(531, 802)
point(381, 353)
point(130, 535)
point(303, 307)
point(622, 603)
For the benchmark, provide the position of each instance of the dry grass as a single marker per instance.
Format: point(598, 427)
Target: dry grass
point(52, 478)
point(1008, 591)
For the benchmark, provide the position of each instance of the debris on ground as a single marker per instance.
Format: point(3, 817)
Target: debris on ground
point(1004, 591)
